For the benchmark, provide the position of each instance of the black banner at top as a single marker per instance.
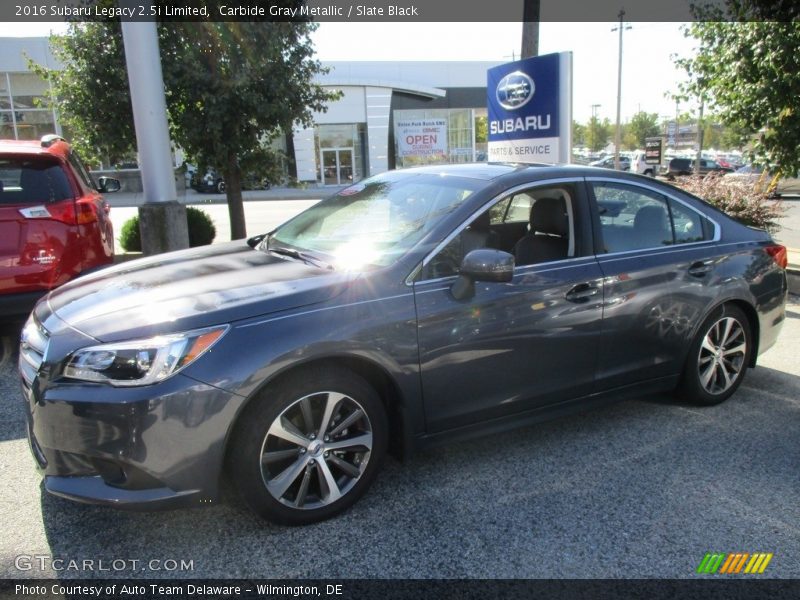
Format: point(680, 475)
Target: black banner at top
point(365, 11)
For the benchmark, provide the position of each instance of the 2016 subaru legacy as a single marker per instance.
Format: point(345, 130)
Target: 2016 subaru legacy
point(411, 308)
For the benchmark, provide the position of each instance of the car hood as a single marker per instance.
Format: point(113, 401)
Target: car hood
point(187, 289)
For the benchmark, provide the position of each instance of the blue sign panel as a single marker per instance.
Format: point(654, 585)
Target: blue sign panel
point(525, 102)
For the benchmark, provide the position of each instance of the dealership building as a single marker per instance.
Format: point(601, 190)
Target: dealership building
point(389, 114)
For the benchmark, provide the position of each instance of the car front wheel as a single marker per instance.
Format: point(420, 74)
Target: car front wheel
point(309, 447)
point(718, 358)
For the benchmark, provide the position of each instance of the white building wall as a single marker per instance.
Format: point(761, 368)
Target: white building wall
point(428, 73)
point(378, 108)
point(348, 109)
point(304, 154)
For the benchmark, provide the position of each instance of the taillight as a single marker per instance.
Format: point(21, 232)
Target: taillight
point(778, 254)
point(86, 213)
point(57, 211)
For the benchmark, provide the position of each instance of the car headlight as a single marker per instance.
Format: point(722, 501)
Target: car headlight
point(141, 362)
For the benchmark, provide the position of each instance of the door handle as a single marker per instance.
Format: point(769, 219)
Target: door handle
point(581, 292)
point(700, 268)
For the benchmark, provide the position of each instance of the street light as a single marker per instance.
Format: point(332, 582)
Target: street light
point(592, 128)
point(617, 137)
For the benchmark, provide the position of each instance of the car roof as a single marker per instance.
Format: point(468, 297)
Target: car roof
point(520, 172)
point(490, 171)
point(58, 148)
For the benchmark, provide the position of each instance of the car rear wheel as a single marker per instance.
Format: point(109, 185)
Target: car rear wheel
point(221, 187)
point(309, 447)
point(718, 358)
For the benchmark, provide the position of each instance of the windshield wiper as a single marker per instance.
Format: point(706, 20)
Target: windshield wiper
point(306, 258)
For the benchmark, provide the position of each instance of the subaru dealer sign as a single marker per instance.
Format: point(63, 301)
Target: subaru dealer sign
point(530, 110)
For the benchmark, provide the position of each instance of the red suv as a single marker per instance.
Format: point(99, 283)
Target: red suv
point(54, 225)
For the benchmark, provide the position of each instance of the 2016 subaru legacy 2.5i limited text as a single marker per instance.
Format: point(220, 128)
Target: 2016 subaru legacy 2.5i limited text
point(411, 308)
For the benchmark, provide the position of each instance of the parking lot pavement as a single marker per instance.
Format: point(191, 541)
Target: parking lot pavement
point(643, 488)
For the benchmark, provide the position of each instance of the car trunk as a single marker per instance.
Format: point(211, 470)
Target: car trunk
point(37, 215)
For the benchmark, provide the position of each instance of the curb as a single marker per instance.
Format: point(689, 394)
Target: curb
point(123, 257)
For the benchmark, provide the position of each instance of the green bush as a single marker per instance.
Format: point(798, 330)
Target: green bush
point(201, 230)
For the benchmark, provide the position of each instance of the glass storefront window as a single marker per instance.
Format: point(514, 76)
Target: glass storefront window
point(33, 124)
point(29, 90)
point(27, 94)
point(5, 95)
point(6, 129)
point(460, 135)
point(481, 135)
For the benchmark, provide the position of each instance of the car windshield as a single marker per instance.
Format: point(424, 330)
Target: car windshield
point(376, 221)
point(32, 181)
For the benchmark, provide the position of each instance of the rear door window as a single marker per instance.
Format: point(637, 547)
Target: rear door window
point(633, 218)
point(32, 181)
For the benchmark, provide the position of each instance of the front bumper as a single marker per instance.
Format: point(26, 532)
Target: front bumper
point(154, 447)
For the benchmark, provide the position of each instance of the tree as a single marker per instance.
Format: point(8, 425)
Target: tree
point(231, 87)
point(598, 133)
point(579, 134)
point(749, 71)
point(92, 93)
point(481, 129)
point(629, 139)
point(643, 125)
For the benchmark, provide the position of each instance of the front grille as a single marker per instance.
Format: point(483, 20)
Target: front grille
point(32, 350)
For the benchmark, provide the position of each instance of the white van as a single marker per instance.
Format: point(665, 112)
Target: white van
point(638, 165)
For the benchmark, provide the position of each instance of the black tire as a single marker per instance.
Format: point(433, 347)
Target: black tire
point(713, 372)
point(221, 187)
point(257, 456)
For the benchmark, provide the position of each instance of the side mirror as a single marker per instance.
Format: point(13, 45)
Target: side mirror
point(108, 184)
point(256, 240)
point(482, 265)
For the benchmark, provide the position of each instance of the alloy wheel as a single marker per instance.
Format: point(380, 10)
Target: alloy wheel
point(316, 450)
point(722, 355)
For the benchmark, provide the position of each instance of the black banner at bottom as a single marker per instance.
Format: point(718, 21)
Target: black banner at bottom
point(385, 589)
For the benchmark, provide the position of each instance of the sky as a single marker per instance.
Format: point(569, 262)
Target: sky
point(648, 71)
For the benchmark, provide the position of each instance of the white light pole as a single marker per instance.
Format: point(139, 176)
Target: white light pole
point(162, 219)
point(618, 135)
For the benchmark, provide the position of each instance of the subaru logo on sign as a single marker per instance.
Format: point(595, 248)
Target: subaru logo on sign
point(515, 90)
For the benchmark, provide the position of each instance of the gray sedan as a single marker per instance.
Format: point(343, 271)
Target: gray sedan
point(413, 308)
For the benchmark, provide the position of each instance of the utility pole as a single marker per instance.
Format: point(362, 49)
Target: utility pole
point(699, 137)
point(618, 135)
point(530, 28)
point(162, 219)
point(592, 130)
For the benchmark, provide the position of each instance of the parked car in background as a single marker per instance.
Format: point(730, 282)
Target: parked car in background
point(640, 166)
point(54, 224)
point(608, 163)
point(786, 186)
point(685, 166)
point(412, 308)
point(213, 183)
